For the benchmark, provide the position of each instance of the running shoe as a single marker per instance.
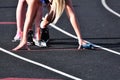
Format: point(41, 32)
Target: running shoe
point(16, 39)
point(45, 35)
point(40, 43)
point(30, 38)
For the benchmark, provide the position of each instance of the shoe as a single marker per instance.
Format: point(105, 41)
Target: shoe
point(16, 39)
point(40, 43)
point(87, 46)
point(45, 35)
point(30, 38)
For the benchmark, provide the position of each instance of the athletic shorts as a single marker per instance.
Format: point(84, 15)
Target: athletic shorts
point(45, 1)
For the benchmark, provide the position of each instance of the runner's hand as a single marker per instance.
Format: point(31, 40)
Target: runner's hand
point(79, 47)
point(80, 43)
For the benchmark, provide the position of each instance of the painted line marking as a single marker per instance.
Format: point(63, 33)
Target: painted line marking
point(57, 28)
point(7, 22)
point(51, 49)
point(27, 79)
point(75, 37)
point(108, 8)
point(47, 67)
point(39, 64)
point(115, 13)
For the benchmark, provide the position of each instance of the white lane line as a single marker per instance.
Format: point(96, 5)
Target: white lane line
point(113, 12)
point(39, 64)
point(63, 31)
point(109, 9)
point(73, 36)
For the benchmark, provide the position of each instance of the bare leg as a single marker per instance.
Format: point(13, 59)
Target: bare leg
point(20, 16)
point(38, 18)
point(32, 8)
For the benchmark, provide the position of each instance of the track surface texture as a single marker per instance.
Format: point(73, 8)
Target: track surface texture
point(97, 25)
